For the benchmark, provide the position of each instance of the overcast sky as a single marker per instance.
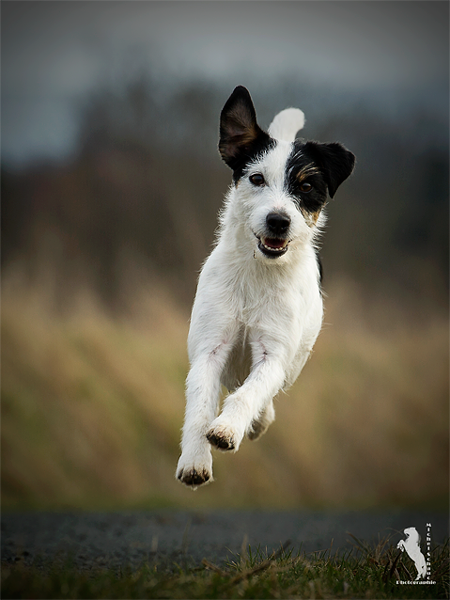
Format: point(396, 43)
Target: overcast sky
point(54, 52)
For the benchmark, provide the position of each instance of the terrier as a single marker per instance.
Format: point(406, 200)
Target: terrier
point(258, 308)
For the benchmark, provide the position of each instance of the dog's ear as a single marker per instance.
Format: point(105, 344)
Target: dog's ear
point(286, 124)
point(241, 138)
point(335, 162)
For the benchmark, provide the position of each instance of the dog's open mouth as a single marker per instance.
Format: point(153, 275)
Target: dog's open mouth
point(273, 247)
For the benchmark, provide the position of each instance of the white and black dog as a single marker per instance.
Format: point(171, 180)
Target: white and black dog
point(258, 308)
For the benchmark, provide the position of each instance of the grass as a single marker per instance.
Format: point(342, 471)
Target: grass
point(92, 407)
point(362, 572)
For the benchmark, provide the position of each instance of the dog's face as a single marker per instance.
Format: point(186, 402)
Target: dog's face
point(282, 186)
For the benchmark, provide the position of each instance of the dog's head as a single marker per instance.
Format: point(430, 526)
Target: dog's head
point(282, 183)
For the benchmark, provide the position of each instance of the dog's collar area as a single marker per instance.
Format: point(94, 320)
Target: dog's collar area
point(272, 247)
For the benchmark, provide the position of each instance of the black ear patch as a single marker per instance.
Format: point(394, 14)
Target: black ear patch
point(241, 138)
point(335, 162)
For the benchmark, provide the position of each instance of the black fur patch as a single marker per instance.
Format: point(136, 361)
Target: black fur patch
point(335, 162)
point(324, 166)
point(320, 265)
point(300, 169)
point(241, 138)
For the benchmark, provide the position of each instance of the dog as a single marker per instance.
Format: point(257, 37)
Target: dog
point(258, 307)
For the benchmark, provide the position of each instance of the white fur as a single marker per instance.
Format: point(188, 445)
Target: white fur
point(286, 124)
point(254, 320)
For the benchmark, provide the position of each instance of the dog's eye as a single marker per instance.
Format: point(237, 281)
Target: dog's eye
point(305, 187)
point(257, 179)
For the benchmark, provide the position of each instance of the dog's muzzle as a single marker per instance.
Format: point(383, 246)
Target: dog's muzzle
point(275, 243)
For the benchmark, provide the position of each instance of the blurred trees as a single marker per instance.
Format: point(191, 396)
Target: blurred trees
point(145, 186)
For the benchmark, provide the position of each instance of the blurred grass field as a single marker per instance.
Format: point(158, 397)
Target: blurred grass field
point(92, 407)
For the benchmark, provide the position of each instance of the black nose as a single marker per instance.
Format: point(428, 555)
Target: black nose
point(278, 223)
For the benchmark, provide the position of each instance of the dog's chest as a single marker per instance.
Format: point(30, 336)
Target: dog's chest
point(266, 301)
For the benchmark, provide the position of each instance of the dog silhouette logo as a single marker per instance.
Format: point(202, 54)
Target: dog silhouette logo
point(412, 547)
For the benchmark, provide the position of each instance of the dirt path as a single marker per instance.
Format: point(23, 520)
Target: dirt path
point(117, 539)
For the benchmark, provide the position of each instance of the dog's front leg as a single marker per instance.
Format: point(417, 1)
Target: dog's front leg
point(248, 403)
point(202, 397)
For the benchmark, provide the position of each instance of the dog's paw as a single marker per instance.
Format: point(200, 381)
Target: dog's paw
point(223, 436)
point(193, 477)
point(194, 473)
point(260, 425)
point(221, 439)
point(257, 430)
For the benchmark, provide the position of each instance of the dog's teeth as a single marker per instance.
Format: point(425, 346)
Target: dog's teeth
point(273, 248)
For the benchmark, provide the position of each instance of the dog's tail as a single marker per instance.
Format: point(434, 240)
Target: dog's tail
point(286, 124)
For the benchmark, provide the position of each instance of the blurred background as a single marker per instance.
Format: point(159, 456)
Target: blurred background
point(111, 184)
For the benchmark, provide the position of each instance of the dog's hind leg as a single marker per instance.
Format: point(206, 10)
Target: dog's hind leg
point(261, 424)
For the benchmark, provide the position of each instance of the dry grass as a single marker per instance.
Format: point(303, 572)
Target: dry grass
point(93, 404)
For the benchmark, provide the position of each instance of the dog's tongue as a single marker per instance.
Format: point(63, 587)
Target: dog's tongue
point(274, 243)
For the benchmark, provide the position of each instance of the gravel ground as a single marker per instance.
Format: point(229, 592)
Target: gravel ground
point(116, 539)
